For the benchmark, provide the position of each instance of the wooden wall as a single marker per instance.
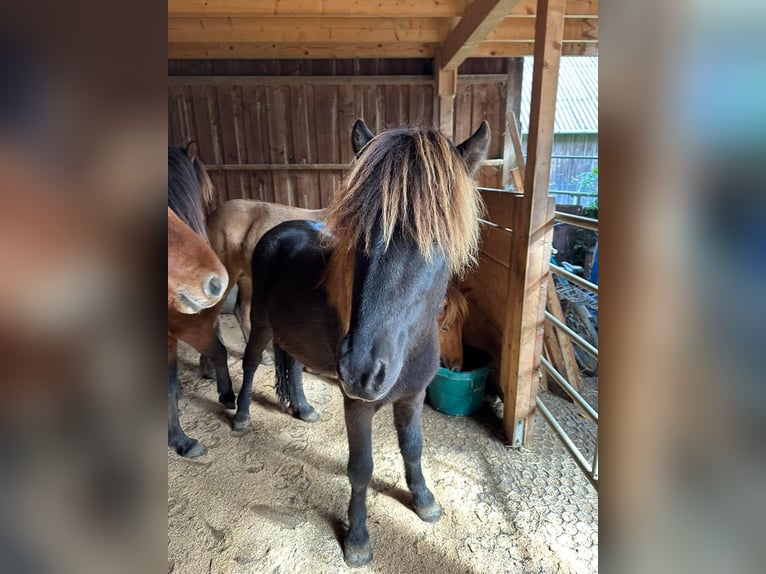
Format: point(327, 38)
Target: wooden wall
point(280, 130)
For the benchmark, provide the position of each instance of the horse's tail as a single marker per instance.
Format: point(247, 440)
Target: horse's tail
point(282, 363)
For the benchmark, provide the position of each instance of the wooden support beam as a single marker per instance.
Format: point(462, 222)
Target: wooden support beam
point(570, 368)
point(480, 18)
point(523, 30)
point(446, 88)
point(530, 249)
point(269, 50)
point(319, 8)
point(513, 82)
point(513, 49)
point(355, 8)
point(309, 30)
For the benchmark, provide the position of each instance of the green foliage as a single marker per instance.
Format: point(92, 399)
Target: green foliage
point(585, 239)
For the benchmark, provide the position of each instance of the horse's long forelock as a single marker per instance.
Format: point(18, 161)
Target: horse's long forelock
point(456, 308)
point(415, 182)
point(188, 187)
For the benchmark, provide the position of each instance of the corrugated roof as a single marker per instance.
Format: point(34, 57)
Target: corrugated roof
point(577, 97)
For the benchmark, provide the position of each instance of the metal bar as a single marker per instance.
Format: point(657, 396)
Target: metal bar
point(595, 462)
point(555, 156)
point(571, 391)
point(577, 220)
point(582, 343)
point(577, 280)
point(573, 193)
point(571, 447)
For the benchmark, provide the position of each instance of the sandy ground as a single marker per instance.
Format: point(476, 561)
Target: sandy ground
point(275, 499)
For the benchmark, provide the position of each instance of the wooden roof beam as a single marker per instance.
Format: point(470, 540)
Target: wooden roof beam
point(480, 18)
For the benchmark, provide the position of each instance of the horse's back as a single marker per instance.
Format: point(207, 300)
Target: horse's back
point(236, 227)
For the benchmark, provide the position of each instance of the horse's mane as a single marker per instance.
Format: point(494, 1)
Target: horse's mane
point(188, 187)
point(413, 181)
point(456, 307)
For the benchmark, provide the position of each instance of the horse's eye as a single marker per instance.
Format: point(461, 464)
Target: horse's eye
point(444, 329)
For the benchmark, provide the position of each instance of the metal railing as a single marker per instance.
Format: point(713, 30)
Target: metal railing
point(589, 468)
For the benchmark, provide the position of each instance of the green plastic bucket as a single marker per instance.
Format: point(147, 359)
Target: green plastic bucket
point(461, 393)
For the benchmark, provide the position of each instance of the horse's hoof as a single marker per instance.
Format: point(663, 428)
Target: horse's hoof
point(430, 513)
point(241, 423)
point(357, 556)
point(309, 415)
point(228, 400)
point(193, 450)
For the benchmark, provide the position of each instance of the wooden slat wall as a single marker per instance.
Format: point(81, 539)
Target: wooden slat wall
point(286, 124)
point(488, 282)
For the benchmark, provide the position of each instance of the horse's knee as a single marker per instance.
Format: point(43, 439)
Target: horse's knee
point(360, 471)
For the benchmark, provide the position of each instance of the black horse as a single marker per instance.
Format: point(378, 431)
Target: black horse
point(360, 297)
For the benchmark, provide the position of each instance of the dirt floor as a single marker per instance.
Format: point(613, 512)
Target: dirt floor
point(275, 499)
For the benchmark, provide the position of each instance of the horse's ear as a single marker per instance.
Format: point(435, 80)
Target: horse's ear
point(360, 136)
point(192, 150)
point(475, 148)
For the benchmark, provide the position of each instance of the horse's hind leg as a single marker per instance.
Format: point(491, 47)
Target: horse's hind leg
point(259, 336)
point(177, 438)
point(407, 416)
point(357, 549)
point(289, 384)
point(216, 352)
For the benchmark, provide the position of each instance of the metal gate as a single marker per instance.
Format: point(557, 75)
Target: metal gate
point(579, 291)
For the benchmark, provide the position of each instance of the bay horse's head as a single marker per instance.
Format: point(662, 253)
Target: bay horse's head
point(403, 221)
point(450, 321)
point(196, 277)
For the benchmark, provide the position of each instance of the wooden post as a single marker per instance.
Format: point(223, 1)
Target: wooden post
point(533, 215)
point(515, 68)
point(446, 88)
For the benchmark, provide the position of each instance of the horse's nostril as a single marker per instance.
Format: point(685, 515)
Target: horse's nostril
point(213, 286)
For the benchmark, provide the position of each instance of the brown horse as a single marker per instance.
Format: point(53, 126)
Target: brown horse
point(188, 184)
point(234, 230)
point(196, 277)
point(450, 320)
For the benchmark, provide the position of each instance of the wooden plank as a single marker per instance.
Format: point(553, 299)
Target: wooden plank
point(446, 88)
point(339, 80)
point(253, 104)
point(463, 101)
point(347, 102)
point(319, 8)
point(228, 138)
point(352, 8)
point(516, 49)
point(305, 188)
point(416, 114)
point(308, 30)
point(480, 18)
point(523, 30)
point(491, 280)
point(500, 207)
point(479, 331)
point(392, 117)
point(296, 50)
point(569, 367)
point(496, 244)
point(327, 132)
point(277, 99)
point(523, 329)
point(512, 108)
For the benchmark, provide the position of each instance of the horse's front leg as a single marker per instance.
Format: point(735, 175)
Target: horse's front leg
point(358, 550)
point(177, 438)
point(407, 417)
